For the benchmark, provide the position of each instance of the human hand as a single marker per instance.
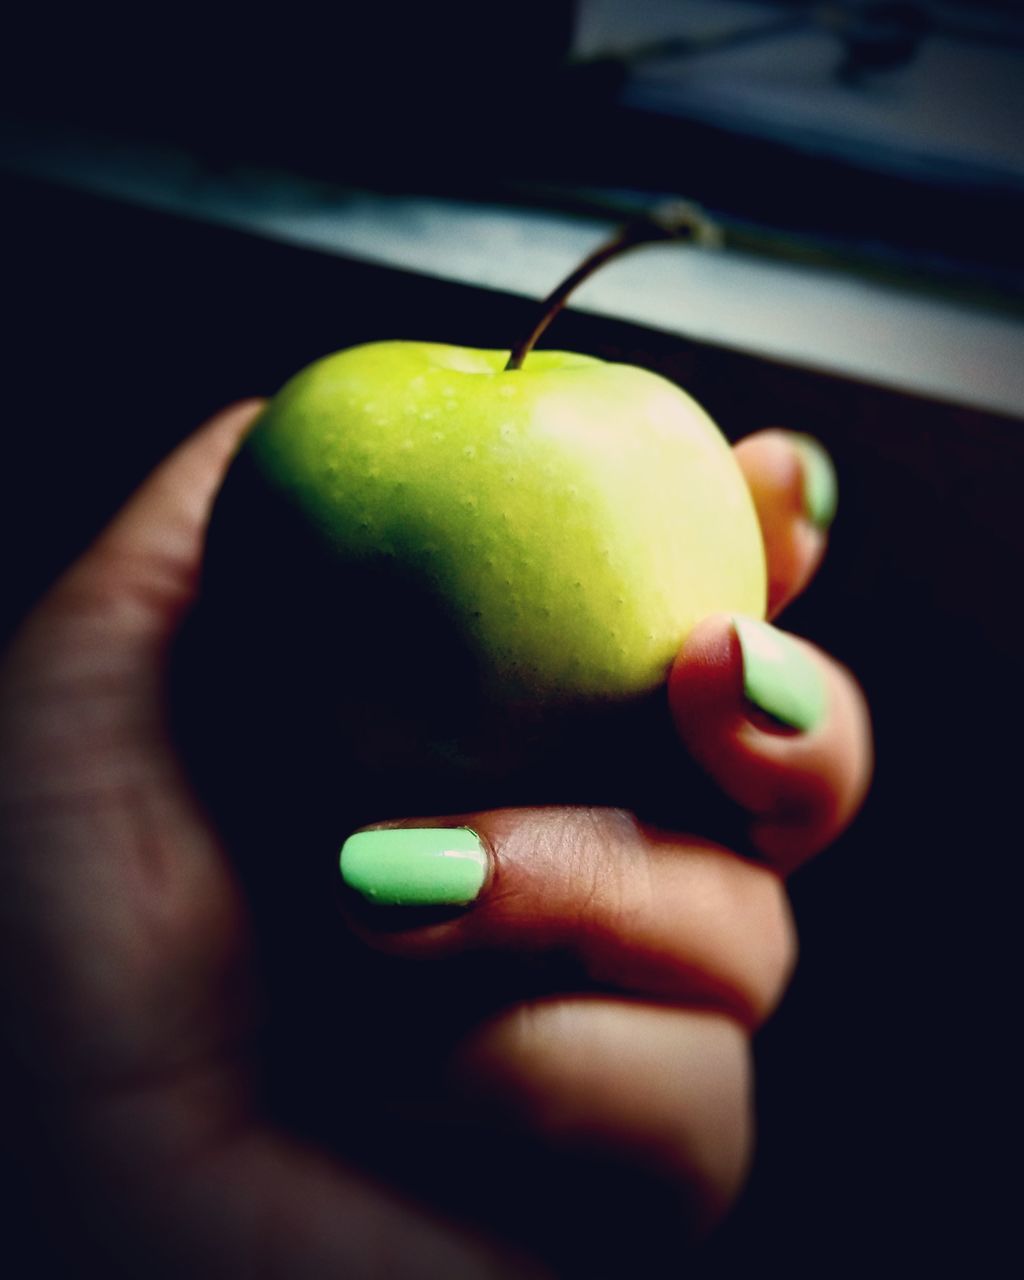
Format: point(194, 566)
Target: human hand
point(203, 1102)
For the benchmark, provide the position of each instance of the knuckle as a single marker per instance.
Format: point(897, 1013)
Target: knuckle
point(775, 929)
point(753, 915)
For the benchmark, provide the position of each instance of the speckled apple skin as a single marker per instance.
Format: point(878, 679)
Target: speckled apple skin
point(577, 517)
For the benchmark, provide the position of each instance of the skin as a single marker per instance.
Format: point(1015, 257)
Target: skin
point(138, 1022)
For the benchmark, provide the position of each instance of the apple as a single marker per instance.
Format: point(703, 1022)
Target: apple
point(454, 564)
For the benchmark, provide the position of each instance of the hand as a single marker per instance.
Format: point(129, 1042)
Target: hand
point(565, 1062)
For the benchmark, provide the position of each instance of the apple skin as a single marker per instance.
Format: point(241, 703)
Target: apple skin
point(463, 568)
point(579, 516)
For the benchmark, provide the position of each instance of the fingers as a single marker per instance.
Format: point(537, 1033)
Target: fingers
point(779, 726)
point(636, 909)
point(150, 552)
point(792, 482)
point(645, 1079)
point(672, 1086)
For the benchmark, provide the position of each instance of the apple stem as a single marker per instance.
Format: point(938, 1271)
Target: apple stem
point(678, 220)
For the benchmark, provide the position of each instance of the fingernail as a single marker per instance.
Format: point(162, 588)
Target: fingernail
point(778, 676)
point(821, 488)
point(415, 866)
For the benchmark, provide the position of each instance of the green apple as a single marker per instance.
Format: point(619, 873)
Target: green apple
point(578, 517)
point(431, 563)
point(467, 559)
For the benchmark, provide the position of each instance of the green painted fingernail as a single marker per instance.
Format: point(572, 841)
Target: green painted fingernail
point(821, 488)
point(415, 866)
point(778, 676)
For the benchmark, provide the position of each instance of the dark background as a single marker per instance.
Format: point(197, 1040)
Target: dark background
point(886, 1082)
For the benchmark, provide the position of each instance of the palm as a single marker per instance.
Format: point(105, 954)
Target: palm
point(131, 969)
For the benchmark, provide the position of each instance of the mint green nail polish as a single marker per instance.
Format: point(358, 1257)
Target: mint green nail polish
point(415, 866)
point(821, 488)
point(778, 676)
